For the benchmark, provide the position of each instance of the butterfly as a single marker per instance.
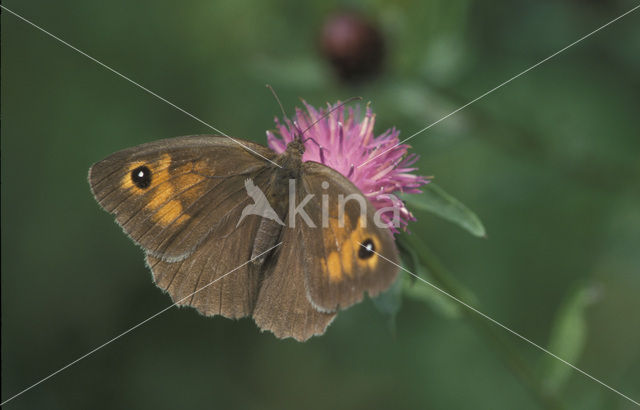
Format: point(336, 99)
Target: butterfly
point(182, 200)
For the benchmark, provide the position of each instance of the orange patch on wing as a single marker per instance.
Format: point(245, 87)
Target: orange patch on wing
point(162, 192)
point(160, 196)
point(164, 162)
point(330, 235)
point(165, 208)
point(334, 267)
point(170, 191)
point(182, 219)
point(340, 259)
point(204, 168)
point(169, 213)
point(189, 187)
point(346, 254)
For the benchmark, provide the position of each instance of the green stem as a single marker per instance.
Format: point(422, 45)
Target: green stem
point(505, 348)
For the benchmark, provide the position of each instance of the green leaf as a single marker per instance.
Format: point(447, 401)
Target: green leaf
point(434, 199)
point(427, 265)
point(423, 292)
point(438, 301)
point(568, 336)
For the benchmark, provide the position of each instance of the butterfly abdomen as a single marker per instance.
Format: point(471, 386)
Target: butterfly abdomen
point(266, 237)
point(274, 217)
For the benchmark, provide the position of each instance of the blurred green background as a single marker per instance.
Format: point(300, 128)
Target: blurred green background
point(550, 162)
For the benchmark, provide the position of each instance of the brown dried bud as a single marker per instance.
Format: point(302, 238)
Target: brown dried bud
point(353, 45)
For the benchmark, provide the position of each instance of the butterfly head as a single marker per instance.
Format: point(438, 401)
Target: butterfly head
point(295, 148)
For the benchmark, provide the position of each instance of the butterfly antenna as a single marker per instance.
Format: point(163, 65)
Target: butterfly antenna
point(347, 101)
point(282, 109)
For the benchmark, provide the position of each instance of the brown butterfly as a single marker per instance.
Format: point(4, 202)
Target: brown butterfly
point(181, 200)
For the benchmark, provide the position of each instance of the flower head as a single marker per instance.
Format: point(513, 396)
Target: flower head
point(346, 143)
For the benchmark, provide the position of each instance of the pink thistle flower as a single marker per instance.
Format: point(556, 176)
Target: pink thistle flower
point(348, 145)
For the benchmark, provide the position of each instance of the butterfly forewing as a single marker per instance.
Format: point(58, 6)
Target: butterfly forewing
point(217, 279)
point(170, 195)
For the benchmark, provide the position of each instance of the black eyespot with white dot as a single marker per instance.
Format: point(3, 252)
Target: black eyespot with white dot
point(141, 177)
point(367, 249)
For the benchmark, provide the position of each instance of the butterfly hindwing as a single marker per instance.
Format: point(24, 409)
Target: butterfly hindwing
point(282, 306)
point(338, 268)
point(170, 195)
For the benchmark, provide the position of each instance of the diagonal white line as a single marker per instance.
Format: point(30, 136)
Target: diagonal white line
point(249, 149)
point(133, 328)
point(136, 84)
point(504, 83)
point(503, 326)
